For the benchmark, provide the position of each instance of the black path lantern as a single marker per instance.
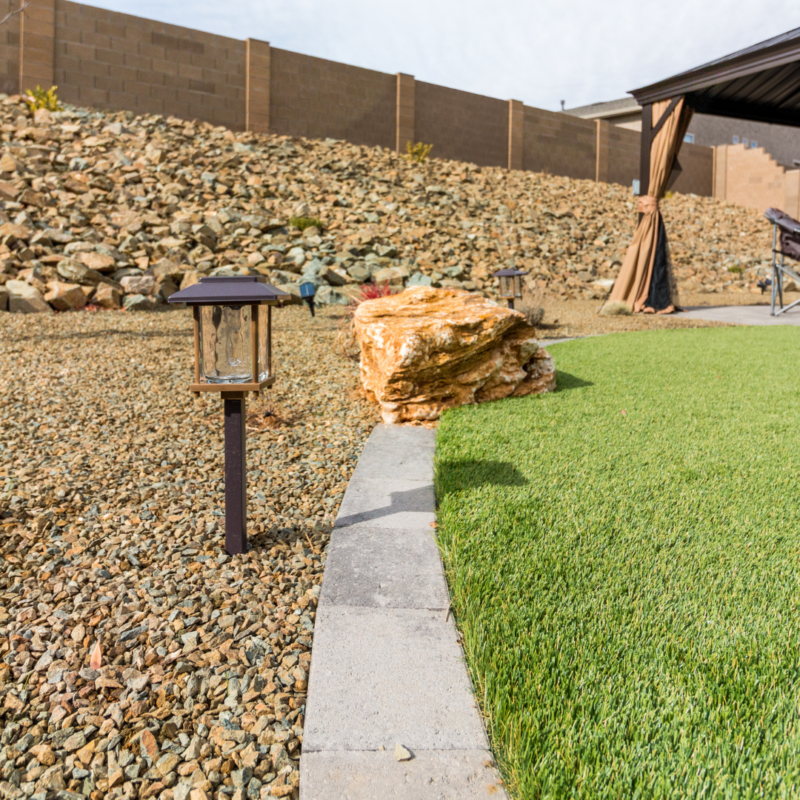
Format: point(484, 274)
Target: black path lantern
point(233, 356)
point(510, 284)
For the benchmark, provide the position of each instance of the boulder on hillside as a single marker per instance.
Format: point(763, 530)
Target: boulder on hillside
point(65, 296)
point(107, 297)
point(25, 299)
point(426, 350)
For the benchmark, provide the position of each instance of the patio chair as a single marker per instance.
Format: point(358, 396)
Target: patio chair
point(789, 240)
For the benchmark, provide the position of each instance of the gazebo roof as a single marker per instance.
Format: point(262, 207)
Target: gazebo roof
point(761, 83)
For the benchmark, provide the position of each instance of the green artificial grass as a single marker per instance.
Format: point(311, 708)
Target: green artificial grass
point(624, 566)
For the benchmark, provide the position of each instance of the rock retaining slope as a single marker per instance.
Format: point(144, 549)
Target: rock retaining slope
point(111, 209)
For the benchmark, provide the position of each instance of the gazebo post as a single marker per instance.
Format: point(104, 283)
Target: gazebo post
point(644, 156)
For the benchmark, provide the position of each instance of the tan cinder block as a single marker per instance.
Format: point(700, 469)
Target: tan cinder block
point(258, 76)
point(405, 117)
point(37, 30)
point(603, 150)
point(516, 134)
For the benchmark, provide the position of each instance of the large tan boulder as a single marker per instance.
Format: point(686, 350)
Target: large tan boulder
point(426, 350)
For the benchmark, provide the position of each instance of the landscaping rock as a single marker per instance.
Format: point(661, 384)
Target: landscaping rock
point(426, 350)
point(25, 299)
point(138, 284)
point(113, 533)
point(65, 296)
point(139, 302)
point(76, 272)
point(107, 297)
point(108, 199)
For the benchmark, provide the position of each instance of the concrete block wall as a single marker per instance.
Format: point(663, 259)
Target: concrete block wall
point(9, 48)
point(406, 114)
point(319, 99)
point(37, 28)
point(461, 125)
point(118, 61)
point(258, 81)
point(559, 144)
point(696, 177)
point(751, 177)
point(623, 156)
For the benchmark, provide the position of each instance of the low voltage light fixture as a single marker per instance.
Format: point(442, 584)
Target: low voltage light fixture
point(510, 284)
point(308, 292)
point(233, 356)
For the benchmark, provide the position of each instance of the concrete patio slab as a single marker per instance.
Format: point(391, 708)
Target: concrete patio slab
point(431, 775)
point(741, 315)
point(387, 667)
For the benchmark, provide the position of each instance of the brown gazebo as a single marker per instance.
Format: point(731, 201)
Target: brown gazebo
point(759, 83)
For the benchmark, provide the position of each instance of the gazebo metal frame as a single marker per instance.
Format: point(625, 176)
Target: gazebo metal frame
point(759, 83)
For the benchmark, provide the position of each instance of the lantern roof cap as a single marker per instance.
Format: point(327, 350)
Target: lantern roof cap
point(229, 290)
point(509, 273)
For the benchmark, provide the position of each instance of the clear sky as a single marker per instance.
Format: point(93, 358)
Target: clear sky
point(539, 51)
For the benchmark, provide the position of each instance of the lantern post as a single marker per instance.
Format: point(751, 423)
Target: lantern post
point(232, 356)
point(510, 284)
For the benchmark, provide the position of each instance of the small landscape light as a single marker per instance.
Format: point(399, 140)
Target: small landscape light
point(307, 293)
point(510, 284)
point(233, 356)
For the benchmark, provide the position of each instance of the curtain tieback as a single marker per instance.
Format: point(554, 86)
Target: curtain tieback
point(648, 204)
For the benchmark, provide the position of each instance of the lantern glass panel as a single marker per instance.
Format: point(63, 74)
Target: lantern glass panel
point(506, 287)
point(263, 343)
point(225, 344)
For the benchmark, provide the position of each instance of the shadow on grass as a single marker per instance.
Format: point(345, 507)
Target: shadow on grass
point(565, 381)
point(459, 476)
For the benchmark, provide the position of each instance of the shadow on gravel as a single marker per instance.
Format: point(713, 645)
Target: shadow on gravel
point(565, 381)
point(99, 334)
point(459, 476)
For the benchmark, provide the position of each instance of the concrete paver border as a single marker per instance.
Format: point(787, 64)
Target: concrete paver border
point(387, 667)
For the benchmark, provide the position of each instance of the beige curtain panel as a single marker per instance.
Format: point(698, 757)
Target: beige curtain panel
point(644, 282)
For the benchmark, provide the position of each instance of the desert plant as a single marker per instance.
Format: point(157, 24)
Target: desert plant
point(418, 152)
point(736, 269)
point(617, 308)
point(301, 223)
point(42, 98)
point(370, 291)
point(530, 305)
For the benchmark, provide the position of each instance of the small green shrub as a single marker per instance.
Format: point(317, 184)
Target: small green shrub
point(736, 269)
point(418, 152)
point(40, 98)
point(301, 223)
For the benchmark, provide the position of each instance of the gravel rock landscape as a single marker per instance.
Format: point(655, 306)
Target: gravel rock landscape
point(137, 659)
point(111, 209)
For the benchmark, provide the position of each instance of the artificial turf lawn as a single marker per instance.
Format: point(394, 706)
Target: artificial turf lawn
point(624, 566)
